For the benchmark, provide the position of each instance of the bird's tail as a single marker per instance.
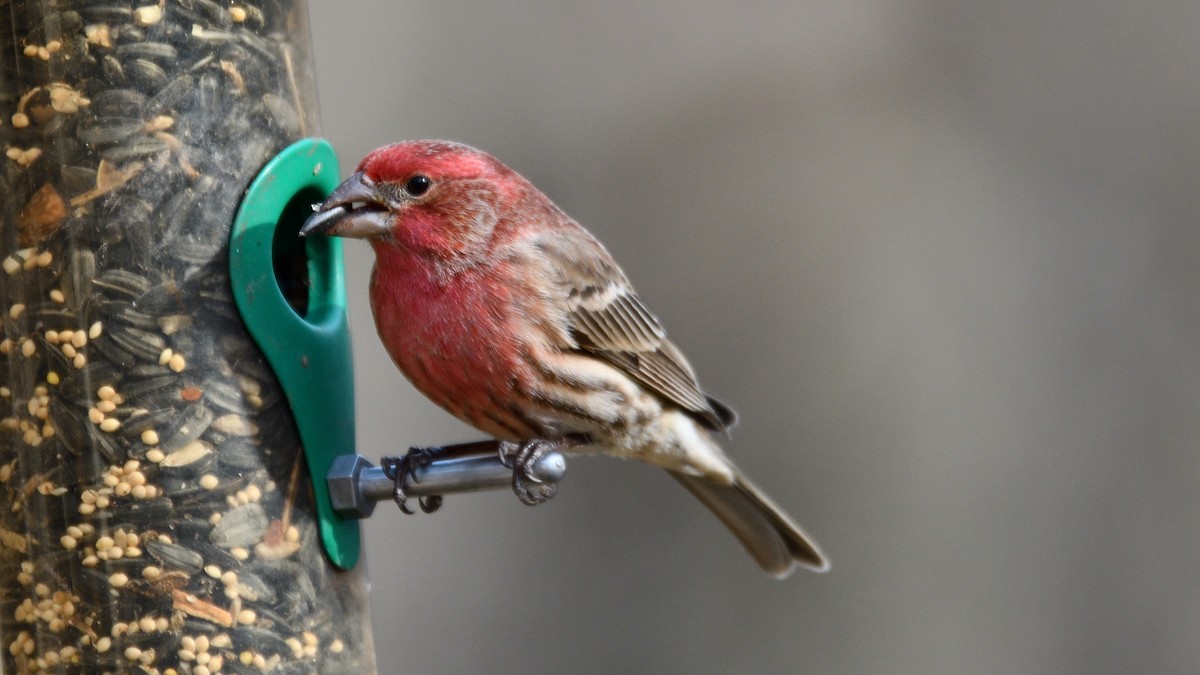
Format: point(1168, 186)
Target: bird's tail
point(775, 542)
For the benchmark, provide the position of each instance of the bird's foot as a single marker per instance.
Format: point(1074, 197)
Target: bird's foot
point(522, 457)
point(399, 468)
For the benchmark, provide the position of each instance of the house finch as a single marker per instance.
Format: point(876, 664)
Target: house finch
point(507, 313)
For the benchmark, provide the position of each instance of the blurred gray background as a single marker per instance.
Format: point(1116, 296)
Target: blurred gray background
point(941, 255)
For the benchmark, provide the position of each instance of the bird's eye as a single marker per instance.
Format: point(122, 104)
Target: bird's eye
point(418, 185)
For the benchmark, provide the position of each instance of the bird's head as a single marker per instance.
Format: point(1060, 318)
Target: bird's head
point(434, 198)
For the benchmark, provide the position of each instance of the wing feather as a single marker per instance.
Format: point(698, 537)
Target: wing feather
point(609, 321)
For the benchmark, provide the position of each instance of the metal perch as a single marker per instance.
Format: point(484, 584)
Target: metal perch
point(355, 484)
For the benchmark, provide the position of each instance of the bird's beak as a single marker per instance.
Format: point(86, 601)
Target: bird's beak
point(355, 209)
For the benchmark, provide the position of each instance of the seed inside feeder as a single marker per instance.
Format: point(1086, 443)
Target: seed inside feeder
point(116, 260)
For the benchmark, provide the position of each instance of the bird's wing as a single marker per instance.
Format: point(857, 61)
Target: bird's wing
point(609, 321)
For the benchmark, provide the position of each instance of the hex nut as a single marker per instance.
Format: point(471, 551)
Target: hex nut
point(345, 486)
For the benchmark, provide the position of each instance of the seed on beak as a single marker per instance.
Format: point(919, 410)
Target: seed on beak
point(321, 222)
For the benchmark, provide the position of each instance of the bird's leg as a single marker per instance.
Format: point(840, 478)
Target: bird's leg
point(530, 489)
point(397, 468)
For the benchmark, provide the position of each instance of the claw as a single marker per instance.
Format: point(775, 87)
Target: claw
point(394, 468)
point(397, 468)
point(506, 450)
point(530, 489)
point(430, 503)
point(421, 457)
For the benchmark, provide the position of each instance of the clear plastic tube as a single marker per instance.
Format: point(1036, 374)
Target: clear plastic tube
point(156, 511)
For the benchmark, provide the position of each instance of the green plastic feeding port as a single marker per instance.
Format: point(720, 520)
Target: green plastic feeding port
point(292, 297)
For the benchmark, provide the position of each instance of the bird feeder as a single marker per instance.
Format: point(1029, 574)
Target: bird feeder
point(158, 513)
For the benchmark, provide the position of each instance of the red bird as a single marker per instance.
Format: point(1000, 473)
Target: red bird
point(507, 313)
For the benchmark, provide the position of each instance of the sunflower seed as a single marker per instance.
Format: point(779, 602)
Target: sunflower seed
point(140, 147)
point(186, 428)
point(150, 51)
point(108, 130)
point(175, 557)
point(118, 282)
point(192, 459)
point(118, 103)
point(145, 74)
point(242, 526)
